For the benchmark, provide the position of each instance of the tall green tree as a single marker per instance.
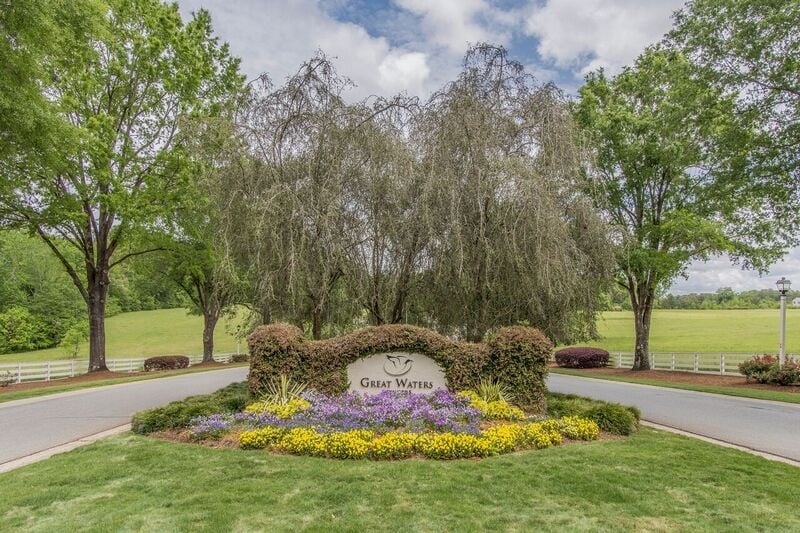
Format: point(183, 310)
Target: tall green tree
point(671, 173)
point(752, 49)
point(123, 93)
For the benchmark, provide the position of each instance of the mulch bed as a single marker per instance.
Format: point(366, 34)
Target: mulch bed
point(691, 378)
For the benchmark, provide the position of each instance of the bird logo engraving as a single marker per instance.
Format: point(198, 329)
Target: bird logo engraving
point(397, 365)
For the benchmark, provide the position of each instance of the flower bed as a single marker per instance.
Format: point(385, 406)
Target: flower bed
point(390, 425)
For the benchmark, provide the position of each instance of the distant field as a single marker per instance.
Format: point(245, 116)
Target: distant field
point(146, 333)
point(173, 331)
point(732, 331)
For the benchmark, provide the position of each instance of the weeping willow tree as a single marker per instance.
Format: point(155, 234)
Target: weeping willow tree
point(460, 214)
point(512, 241)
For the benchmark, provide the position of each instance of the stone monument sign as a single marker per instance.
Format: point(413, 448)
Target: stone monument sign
point(413, 372)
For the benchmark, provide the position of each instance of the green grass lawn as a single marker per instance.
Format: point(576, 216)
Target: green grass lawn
point(748, 331)
point(174, 331)
point(652, 481)
point(146, 333)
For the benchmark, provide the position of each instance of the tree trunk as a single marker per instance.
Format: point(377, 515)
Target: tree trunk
point(97, 327)
point(266, 313)
point(209, 324)
point(642, 313)
point(316, 324)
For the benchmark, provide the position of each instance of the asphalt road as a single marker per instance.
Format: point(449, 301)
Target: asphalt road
point(30, 426)
point(771, 427)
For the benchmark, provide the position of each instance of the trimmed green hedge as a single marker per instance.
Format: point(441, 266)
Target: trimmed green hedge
point(518, 356)
point(611, 417)
point(178, 414)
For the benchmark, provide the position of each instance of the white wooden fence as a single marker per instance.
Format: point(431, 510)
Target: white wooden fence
point(704, 363)
point(47, 370)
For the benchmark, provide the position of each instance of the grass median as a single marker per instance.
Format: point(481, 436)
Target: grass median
point(651, 481)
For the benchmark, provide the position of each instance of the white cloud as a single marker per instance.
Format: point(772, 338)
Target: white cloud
point(719, 272)
point(275, 37)
point(454, 23)
point(584, 35)
point(406, 70)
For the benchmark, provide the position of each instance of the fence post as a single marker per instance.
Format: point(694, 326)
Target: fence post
point(672, 362)
point(722, 364)
point(19, 372)
point(72, 368)
point(48, 371)
point(619, 360)
point(696, 362)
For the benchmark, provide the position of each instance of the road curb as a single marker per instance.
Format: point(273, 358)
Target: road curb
point(61, 448)
point(752, 451)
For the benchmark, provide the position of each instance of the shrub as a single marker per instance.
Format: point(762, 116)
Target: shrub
point(166, 362)
point(581, 357)
point(491, 390)
point(789, 374)
point(240, 358)
point(610, 417)
point(179, 414)
point(613, 418)
point(6, 378)
point(282, 389)
point(517, 356)
point(758, 368)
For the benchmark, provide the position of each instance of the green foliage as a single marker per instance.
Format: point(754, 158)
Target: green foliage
point(610, 417)
point(750, 50)
point(75, 335)
point(281, 390)
point(20, 331)
point(124, 86)
point(230, 399)
point(492, 390)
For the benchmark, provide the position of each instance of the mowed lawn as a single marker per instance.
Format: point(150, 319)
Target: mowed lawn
point(174, 331)
point(146, 333)
point(651, 481)
point(732, 331)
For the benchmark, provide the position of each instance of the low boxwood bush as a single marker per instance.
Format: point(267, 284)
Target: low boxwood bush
point(166, 362)
point(610, 417)
point(178, 414)
point(240, 358)
point(581, 357)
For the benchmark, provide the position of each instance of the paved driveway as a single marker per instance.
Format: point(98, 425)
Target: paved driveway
point(771, 427)
point(30, 426)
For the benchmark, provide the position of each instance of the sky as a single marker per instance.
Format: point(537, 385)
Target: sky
point(415, 46)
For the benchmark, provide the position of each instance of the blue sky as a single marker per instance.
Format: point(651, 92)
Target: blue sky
point(389, 46)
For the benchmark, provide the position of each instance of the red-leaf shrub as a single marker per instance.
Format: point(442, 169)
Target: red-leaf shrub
point(758, 368)
point(166, 362)
point(581, 357)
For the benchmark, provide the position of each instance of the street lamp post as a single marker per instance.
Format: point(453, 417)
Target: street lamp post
point(783, 287)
